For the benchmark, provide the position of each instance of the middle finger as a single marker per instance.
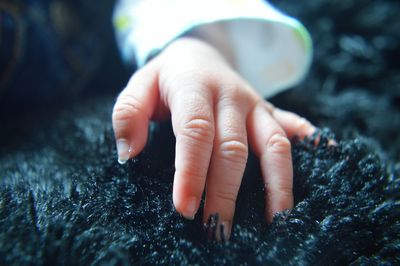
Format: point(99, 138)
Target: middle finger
point(227, 165)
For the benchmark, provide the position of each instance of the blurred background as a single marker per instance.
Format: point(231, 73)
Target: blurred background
point(54, 52)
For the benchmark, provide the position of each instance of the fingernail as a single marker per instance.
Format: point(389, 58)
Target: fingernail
point(225, 231)
point(124, 151)
point(311, 130)
point(211, 226)
point(190, 208)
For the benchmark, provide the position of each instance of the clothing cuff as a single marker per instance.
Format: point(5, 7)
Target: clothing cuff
point(270, 50)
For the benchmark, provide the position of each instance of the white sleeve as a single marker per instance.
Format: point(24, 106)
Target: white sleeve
point(272, 51)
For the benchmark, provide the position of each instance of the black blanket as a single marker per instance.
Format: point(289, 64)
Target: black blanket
point(65, 200)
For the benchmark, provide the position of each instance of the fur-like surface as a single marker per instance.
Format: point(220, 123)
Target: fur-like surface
point(64, 199)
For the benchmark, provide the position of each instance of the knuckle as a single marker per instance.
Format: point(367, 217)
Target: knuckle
point(199, 129)
point(194, 175)
point(269, 107)
point(188, 78)
point(236, 95)
point(226, 196)
point(283, 187)
point(279, 143)
point(126, 107)
point(234, 151)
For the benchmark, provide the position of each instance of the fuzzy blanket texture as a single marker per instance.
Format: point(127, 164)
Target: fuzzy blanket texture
point(64, 199)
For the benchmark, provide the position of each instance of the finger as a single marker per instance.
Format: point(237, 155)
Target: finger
point(269, 142)
point(291, 123)
point(227, 165)
point(132, 111)
point(295, 125)
point(193, 125)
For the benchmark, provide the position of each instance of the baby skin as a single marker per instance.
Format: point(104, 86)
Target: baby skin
point(215, 117)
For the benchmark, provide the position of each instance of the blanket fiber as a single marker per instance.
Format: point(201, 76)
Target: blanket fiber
point(64, 199)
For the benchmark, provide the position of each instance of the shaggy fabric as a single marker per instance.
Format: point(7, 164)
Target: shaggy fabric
point(64, 200)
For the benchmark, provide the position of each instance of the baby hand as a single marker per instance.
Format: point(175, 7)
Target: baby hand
point(214, 114)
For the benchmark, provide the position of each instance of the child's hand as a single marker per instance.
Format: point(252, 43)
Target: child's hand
point(215, 113)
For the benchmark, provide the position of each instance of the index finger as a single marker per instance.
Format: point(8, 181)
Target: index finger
point(193, 124)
